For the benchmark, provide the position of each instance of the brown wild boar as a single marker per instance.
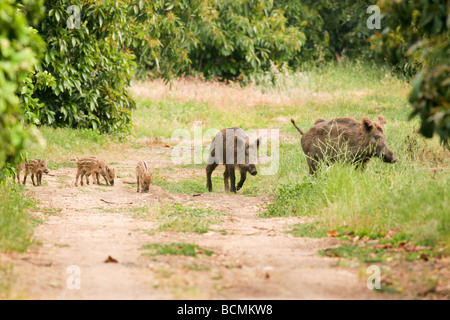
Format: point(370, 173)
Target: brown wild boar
point(34, 166)
point(108, 173)
point(143, 176)
point(345, 139)
point(19, 169)
point(87, 165)
point(232, 148)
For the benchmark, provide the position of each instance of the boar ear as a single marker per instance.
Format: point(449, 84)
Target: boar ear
point(367, 124)
point(381, 120)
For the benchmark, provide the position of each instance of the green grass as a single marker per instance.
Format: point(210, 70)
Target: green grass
point(61, 143)
point(186, 186)
point(7, 280)
point(16, 224)
point(176, 217)
point(56, 165)
point(185, 249)
point(196, 267)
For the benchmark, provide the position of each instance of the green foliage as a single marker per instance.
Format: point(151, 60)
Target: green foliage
point(18, 46)
point(217, 38)
point(241, 37)
point(90, 67)
point(162, 34)
point(418, 35)
point(16, 225)
point(332, 28)
point(430, 98)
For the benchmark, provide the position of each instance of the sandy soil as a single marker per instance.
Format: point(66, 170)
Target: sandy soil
point(254, 258)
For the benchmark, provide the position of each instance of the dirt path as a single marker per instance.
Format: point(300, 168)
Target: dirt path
point(254, 258)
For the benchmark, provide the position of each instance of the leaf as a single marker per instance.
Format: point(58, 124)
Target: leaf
point(333, 233)
point(110, 260)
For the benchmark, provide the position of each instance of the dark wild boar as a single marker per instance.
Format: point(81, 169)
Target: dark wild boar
point(232, 147)
point(345, 139)
point(143, 176)
point(34, 166)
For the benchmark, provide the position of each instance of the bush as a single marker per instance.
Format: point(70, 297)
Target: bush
point(332, 28)
point(217, 38)
point(244, 36)
point(90, 67)
point(417, 38)
point(18, 47)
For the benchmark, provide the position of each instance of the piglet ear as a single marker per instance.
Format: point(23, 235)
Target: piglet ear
point(381, 120)
point(367, 124)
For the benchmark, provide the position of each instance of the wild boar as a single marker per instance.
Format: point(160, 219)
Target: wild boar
point(232, 148)
point(143, 176)
point(108, 173)
point(19, 169)
point(345, 139)
point(34, 166)
point(86, 166)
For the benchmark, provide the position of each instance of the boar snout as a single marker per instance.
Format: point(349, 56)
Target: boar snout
point(252, 170)
point(388, 156)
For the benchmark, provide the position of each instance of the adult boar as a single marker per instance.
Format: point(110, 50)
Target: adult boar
point(232, 147)
point(345, 139)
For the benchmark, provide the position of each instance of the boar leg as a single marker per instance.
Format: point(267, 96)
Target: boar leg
point(226, 177)
point(25, 177)
point(230, 168)
point(81, 177)
point(312, 165)
point(88, 174)
point(138, 183)
point(209, 169)
point(76, 179)
point(104, 177)
point(32, 179)
point(39, 178)
point(18, 175)
point(243, 177)
point(362, 164)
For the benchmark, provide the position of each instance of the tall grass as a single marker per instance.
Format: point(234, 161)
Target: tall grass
point(410, 197)
point(16, 224)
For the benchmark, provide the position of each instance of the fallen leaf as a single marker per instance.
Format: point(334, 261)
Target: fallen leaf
point(401, 244)
point(110, 260)
point(410, 247)
point(424, 257)
point(390, 233)
point(333, 233)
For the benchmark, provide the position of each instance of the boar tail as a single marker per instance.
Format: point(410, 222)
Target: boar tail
point(299, 130)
